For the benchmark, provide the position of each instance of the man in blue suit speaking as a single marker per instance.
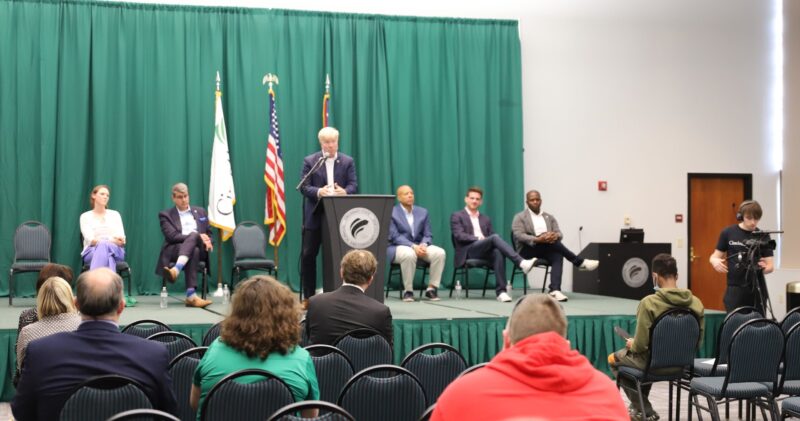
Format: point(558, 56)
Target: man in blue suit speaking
point(334, 174)
point(410, 239)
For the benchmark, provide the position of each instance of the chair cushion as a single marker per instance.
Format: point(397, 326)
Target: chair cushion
point(254, 264)
point(651, 377)
point(28, 266)
point(713, 386)
point(702, 368)
point(792, 405)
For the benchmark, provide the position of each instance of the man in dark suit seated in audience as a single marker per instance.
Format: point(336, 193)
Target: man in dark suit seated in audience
point(332, 314)
point(535, 376)
point(55, 365)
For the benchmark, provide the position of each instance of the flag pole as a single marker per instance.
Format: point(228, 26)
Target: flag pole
point(219, 233)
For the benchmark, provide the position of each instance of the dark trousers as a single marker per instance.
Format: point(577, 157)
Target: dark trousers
point(740, 296)
point(555, 253)
point(190, 247)
point(494, 249)
point(312, 240)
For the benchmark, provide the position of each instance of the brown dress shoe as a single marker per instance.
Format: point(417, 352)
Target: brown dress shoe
point(172, 273)
point(196, 301)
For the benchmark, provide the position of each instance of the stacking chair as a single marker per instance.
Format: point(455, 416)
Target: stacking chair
point(331, 412)
point(384, 392)
point(790, 408)
point(435, 365)
point(144, 414)
point(464, 271)
point(754, 356)
point(181, 368)
point(395, 274)
point(426, 416)
point(333, 369)
point(234, 401)
point(790, 319)
point(202, 268)
point(145, 328)
point(212, 333)
point(303, 333)
point(365, 348)
point(176, 342)
point(540, 263)
point(473, 368)
point(790, 375)
point(250, 251)
point(123, 269)
point(31, 251)
point(719, 364)
point(674, 337)
point(100, 397)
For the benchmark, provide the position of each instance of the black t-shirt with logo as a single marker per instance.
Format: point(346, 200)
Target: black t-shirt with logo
point(732, 240)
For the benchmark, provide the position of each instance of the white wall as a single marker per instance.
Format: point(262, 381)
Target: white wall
point(637, 93)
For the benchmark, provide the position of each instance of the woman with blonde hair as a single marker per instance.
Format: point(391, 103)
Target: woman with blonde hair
point(263, 332)
point(55, 307)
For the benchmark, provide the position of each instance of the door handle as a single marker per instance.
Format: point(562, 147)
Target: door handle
point(692, 256)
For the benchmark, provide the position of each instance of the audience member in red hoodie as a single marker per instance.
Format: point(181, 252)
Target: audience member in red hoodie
point(536, 375)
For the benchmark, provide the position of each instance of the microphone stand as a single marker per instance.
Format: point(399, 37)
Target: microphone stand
point(311, 171)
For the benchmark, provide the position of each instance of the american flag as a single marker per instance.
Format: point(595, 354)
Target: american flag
point(275, 206)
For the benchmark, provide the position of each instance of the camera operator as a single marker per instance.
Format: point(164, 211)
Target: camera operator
point(739, 241)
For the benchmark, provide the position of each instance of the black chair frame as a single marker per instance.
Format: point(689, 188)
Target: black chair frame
point(241, 373)
point(236, 270)
point(130, 326)
point(36, 268)
point(201, 350)
point(540, 263)
point(293, 408)
point(646, 371)
point(138, 414)
point(772, 406)
point(394, 270)
point(376, 368)
point(464, 270)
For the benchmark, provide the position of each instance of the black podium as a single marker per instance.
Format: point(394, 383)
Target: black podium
point(624, 269)
point(354, 222)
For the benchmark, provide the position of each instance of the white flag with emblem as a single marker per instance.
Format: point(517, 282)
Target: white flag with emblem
point(221, 194)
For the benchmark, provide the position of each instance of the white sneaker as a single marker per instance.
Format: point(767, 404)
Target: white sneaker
point(558, 295)
point(504, 298)
point(527, 265)
point(589, 265)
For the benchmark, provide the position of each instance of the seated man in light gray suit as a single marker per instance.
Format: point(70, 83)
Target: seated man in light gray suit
point(410, 239)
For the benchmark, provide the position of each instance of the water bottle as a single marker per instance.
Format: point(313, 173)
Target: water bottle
point(163, 297)
point(509, 287)
point(458, 290)
point(226, 295)
point(218, 292)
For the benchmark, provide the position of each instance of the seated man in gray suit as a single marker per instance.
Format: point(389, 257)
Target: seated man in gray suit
point(537, 235)
point(332, 314)
point(410, 239)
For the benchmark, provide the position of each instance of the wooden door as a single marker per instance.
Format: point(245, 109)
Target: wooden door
point(713, 202)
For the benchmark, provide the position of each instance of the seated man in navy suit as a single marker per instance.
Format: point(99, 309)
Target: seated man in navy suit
point(474, 238)
point(56, 364)
point(410, 239)
point(187, 241)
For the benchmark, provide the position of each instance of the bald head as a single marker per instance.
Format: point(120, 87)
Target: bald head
point(405, 195)
point(534, 314)
point(99, 294)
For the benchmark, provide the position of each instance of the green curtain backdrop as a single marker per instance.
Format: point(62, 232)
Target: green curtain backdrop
point(123, 94)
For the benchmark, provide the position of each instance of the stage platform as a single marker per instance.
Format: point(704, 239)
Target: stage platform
point(474, 325)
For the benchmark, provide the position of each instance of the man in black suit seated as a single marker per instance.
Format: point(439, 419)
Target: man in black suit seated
point(56, 364)
point(332, 314)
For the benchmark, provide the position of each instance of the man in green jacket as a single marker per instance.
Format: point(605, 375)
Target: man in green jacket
point(637, 349)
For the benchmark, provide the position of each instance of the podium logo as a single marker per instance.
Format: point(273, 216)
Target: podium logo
point(359, 228)
point(635, 272)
